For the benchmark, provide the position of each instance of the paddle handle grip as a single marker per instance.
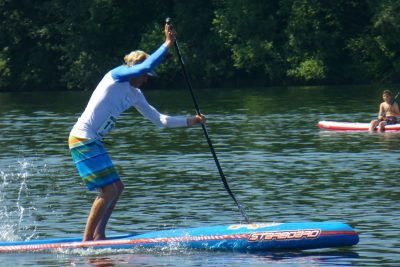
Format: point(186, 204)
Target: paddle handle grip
point(182, 63)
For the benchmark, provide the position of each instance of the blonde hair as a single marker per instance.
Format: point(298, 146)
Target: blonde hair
point(135, 57)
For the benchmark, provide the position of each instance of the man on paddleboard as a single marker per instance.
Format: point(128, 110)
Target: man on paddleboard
point(388, 112)
point(116, 92)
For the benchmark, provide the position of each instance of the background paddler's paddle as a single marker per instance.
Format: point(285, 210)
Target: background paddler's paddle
point(221, 173)
point(393, 100)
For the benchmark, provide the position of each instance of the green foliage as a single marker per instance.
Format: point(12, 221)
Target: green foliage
point(5, 71)
point(377, 51)
point(309, 70)
point(251, 31)
point(54, 44)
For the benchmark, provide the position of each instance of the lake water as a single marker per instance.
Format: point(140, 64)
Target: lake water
point(278, 163)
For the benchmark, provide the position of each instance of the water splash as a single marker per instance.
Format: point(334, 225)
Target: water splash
point(16, 208)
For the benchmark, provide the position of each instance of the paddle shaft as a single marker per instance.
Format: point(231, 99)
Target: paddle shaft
point(396, 96)
point(203, 126)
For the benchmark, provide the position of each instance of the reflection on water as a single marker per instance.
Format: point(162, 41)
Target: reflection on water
point(278, 163)
point(195, 258)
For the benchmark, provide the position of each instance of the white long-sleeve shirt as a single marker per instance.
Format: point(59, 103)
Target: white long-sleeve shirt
point(114, 94)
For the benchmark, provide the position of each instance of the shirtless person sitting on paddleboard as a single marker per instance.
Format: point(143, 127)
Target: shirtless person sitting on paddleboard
point(388, 112)
point(116, 92)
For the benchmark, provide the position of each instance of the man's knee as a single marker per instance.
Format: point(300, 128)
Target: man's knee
point(112, 191)
point(120, 187)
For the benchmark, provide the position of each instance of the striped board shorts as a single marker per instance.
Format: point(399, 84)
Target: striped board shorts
point(390, 120)
point(93, 163)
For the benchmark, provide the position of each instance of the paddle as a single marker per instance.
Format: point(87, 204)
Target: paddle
point(394, 98)
point(221, 173)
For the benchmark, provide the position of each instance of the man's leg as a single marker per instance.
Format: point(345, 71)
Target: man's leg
point(100, 231)
point(103, 201)
point(381, 126)
point(373, 125)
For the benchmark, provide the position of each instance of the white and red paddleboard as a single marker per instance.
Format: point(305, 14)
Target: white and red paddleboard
point(353, 126)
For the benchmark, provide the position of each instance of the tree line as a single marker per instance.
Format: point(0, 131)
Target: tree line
point(58, 45)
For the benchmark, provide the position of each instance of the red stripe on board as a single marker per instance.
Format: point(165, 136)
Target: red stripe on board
point(37, 247)
point(328, 233)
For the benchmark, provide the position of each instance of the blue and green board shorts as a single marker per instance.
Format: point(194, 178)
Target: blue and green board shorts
point(93, 162)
